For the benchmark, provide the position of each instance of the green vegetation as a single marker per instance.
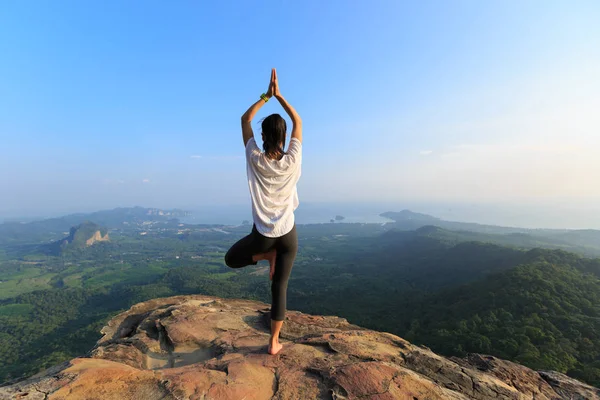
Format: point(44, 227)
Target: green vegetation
point(24, 279)
point(544, 314)
point(15, 310)
point(454, 291)
point(583, 241)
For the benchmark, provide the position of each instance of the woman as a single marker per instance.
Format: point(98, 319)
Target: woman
point(272, 178)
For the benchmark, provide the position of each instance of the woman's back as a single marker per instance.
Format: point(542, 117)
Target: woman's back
point(272, 185)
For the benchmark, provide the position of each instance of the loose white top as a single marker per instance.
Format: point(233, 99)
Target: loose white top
point(272, 186)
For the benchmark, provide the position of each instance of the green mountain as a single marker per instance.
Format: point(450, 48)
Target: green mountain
point(84, 235)
point(581, 241)
point(407, 215)
point(412, 220)
point(543, 313)
point(80, 237)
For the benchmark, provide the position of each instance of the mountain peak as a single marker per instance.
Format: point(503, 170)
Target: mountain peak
point(407, 215)
point(429, 230)
point(85, 235)
point(201, 347)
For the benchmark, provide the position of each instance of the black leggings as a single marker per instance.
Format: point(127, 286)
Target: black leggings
point(240, 255)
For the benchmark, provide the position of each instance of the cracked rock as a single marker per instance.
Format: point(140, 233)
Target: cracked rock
point(207, 348)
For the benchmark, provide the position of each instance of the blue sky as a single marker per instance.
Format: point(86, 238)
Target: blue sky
point(118, 103)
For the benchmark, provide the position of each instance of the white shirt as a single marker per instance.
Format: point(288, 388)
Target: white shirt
point(272, 186)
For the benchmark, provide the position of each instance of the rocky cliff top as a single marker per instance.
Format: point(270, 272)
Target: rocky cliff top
point(200, 347)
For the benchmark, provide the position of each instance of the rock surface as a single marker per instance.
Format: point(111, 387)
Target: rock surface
point(200, 347)
point(97, 237)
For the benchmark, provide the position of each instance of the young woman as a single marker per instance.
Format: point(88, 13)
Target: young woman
point(272, 177)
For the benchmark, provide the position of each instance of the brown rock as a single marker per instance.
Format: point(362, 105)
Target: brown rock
point(97, 237)
point(108, 380)
point(569, 388)
point(206, 348)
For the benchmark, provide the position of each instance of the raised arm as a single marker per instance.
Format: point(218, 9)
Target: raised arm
point(247, 132)
point(296, 120)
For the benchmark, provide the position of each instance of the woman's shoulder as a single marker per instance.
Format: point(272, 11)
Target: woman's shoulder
point(294, 148)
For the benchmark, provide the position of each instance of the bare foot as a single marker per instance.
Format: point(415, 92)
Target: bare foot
point(271, 257)
point(274, 348)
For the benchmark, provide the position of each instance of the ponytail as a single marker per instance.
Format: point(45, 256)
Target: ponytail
point(273, 151)
point(273, 129)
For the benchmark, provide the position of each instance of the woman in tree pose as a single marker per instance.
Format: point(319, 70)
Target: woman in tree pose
point(272, 177)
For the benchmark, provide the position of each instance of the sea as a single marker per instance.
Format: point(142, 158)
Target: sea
point(305, 214)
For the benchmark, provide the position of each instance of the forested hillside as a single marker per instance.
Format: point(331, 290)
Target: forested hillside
point(444, 289)
point(544, 313)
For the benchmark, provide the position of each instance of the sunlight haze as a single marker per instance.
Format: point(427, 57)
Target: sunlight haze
point(108, 104)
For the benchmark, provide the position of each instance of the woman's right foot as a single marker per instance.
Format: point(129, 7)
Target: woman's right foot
point(271, 257)
point(274, 348)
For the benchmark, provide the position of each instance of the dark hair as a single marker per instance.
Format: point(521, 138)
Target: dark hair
point(273, 134)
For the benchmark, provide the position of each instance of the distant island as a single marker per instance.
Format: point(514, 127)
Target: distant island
point(338, 218)
point(407, 215)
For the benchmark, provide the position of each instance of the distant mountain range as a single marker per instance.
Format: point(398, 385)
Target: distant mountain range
point(52, 228)
point(585, 242)
point(582, 241)
point(415, 220)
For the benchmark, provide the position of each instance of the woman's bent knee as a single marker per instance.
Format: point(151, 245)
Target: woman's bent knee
point(229, 260)
point(233, 260)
